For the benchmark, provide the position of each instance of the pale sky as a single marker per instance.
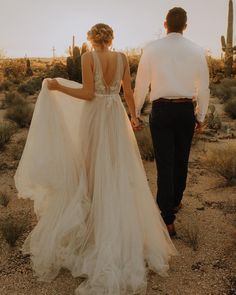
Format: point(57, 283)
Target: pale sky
point(33, 27)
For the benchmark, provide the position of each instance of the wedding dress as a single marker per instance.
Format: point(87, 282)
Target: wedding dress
point(96, 215)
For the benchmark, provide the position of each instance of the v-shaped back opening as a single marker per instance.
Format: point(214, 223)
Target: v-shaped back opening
point(102, 73)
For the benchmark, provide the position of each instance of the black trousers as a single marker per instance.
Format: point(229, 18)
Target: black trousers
point(172, 128)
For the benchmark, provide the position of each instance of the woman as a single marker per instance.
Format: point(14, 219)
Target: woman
point(81, 166)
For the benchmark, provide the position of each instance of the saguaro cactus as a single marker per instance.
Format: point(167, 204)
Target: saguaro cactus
point(227, 45)
point(74, 68)
point(28, 71)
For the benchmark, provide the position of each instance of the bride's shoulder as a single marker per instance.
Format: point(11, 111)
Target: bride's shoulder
point(123, 56)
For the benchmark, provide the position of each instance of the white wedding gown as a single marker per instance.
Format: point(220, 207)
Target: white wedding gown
point(96, 215)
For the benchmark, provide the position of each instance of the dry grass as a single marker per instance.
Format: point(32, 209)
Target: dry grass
point(12, 228)
point(6, 132)
point(191, 233)
point(222, 160)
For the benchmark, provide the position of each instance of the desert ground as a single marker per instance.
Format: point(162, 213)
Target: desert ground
point(206, 227)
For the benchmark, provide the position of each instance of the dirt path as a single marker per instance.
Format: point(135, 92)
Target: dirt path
point(208, 213)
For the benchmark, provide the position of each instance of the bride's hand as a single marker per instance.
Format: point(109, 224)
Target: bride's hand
point(135, 122)
point(53, 84)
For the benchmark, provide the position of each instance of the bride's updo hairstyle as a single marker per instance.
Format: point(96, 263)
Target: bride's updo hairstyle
point(100, 35)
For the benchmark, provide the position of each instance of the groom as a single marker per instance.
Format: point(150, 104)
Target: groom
point(177, 71)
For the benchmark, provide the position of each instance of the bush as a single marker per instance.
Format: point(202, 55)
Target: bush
point(4, 199)
point(12, 229)
point(20, 113)
point(13, 69)
point(230, 107)
point(32, 86)
point(144, 141)
point(6, 85)
point(225, 90)
point(6, 132)
point(213, 119)
point(57, 69)
point(13, 97)
point(222, 160)
point(18, 149)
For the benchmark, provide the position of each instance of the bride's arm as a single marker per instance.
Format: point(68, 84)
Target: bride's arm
point(128, 92)
point(87, 91)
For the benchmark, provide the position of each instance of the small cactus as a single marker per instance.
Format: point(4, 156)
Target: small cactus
point(227, 45)
point(29, 71)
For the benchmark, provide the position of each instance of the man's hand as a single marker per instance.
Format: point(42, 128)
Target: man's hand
point(53, 84)
point(200, 126)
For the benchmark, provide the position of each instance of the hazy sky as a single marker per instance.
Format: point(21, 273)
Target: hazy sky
point(33, 27)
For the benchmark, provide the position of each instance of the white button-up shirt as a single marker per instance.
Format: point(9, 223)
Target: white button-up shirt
point(175, 67)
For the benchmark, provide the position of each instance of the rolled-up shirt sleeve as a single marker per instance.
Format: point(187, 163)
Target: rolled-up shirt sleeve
point(143, 80)
point(202, 85)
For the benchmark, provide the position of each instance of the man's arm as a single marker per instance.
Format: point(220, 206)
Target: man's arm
point(203, 92)
point(143, 80)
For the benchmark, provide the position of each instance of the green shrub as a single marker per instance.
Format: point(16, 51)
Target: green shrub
point(20, 113)
point(213, 119)
point(6, 132)
point(13, 97)
point(221, 160)
point(57, 69)
point(31, 86)
point(230, 107)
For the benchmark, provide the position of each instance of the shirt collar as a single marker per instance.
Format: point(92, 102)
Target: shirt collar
point(174, 34)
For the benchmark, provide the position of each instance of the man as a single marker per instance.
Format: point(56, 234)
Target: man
point(177, 71)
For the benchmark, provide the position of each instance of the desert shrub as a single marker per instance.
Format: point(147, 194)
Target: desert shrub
point(133, 63)
point(6, 132)
point(13, 97)
point(31, 86)
point(12, 228)
point(144, 141)
point(230, 107)
point(213, 119)
point(6, 85)
point(57, 69)
point(228, 82)
point(4, 199)
point(14, 69)
point(224, 90)
point(191, 233)
point(222, 161)
point(18, 149)
point(20, 113)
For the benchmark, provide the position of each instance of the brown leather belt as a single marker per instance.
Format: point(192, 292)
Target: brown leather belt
point(175, 100)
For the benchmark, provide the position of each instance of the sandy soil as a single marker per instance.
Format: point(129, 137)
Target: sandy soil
point(208, 212)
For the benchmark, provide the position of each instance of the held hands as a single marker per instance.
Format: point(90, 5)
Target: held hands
point(200, 126)
point(135, 122)
point(53, 84)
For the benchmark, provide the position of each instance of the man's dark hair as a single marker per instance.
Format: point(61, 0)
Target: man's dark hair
point(176, 19)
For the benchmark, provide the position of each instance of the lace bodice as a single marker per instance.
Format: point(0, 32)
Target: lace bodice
point(100, 85)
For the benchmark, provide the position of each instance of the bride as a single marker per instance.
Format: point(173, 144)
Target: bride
point(82, 168)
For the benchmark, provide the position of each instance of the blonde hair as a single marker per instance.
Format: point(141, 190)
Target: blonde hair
point(100, 34)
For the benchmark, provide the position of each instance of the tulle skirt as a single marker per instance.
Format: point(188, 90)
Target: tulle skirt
point(96, 215)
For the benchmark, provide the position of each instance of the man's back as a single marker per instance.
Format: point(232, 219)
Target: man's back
point(175, 67)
